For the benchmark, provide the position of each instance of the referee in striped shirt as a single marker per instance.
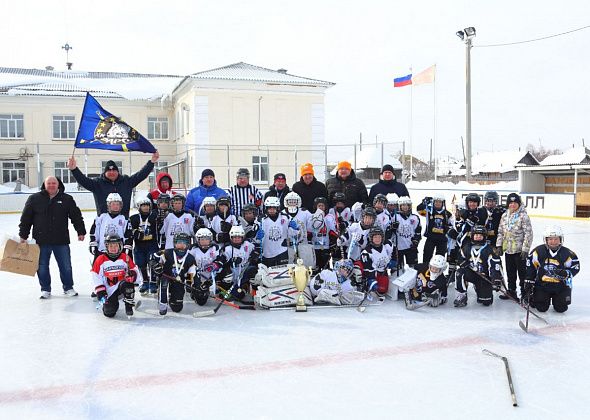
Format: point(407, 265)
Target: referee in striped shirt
point(243, 193)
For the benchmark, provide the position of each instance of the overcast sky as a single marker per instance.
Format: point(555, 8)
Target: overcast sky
point(530, 93)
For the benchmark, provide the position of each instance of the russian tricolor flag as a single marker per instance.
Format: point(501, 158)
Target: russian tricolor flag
point(402, 81)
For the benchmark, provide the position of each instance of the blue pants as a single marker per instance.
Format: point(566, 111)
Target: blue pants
point(64, 262)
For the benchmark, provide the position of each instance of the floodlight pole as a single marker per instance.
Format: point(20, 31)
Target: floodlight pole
point(468, 108)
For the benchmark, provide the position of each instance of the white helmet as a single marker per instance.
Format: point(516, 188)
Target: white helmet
point(438, 196)
point(552, 232)
point(404, 200)
point(237, 231)
point(272, 202)
point(141, 201)
point(204, 233)
point(392, 198)
point(113, 197)
point(209, 201)
point(437, 265)
point(292, 202)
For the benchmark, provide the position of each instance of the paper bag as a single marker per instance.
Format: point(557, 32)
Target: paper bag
point(19, 258)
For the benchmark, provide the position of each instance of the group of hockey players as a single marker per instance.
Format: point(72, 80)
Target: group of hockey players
point(171, 252)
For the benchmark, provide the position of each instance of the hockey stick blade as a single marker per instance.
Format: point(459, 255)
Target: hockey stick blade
point(524, 327)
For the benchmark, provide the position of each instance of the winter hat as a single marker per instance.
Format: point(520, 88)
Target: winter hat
point(280, 176)
point(307, 169)
point(111, 165)
point(207, 172)
point(344, 164)
point(387, 167)
point(513, 198)
point(243, 172)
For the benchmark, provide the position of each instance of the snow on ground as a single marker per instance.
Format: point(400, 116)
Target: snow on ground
point(62, 359)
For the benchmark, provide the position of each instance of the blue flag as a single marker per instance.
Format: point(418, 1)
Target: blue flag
point(99, 129)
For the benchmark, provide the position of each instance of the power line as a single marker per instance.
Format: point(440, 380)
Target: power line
point(532, 40)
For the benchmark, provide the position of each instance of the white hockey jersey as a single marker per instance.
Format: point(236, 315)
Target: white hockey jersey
point(106, 225)
point(320, 228)
point(242, 252)
point(303, 219)
point(217, 219)
point(203, 258)
point(346, 214)
point(409, 227)
point(375, 260)
point(355, 233)
point(383, 219)
point(173, 224)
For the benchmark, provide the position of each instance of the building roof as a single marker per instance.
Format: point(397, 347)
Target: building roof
point(487, 163)
point(248, 72)
point(573, 156)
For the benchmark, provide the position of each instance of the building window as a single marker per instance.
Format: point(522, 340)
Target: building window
point(13, 171)
point(260, 168)
point(62, 172)
point(64, 127)
point(119, 164)
point(11, 126)
point(185, 119)
point(158, 128)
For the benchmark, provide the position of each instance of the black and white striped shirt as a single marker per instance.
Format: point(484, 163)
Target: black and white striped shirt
point(240, 196)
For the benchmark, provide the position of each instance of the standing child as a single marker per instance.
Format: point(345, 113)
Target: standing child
point(375, 260)
point(209, 260)
point(408, 233)
point(438, 223)
point(323, 232)
point(223, 221)
point(143, 225)
point(241, 259)
point(274, 230)
point(177, 221)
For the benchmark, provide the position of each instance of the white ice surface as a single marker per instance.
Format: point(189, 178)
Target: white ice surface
point(62, 359)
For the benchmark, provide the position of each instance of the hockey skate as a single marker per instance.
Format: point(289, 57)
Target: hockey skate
point(460, 300)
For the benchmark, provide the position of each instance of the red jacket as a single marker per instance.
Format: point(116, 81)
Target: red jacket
point(155, 193)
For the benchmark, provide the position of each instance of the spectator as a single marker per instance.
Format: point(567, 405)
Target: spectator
point(279, 189)
point(111, 181)
point(388, 184)
point(163, 186)
point(243, 193)
point(308, 187)
point(207, 188)
point(346, 182)
point(47, 212)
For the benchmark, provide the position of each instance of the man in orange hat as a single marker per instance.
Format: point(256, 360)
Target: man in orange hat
point(346, 182)
point(308, 187)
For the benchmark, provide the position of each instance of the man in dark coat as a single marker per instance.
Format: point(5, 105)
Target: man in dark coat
point(308, 187)
point(111, 181)
point(47, 212)
point(346, 182)
point(388, 184)
point(279, 189)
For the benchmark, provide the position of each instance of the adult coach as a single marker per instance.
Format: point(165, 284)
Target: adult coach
point(207, 188)
point(346, 182)
point(308, 187)
point(47, 212)
point(111, 181)
point(388, 184)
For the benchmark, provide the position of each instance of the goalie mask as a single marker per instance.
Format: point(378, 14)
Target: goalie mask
point(114, 203)
point(553, 237)
point(292, 202)
point(114, 246)
point(437, 266)
point(343, 269)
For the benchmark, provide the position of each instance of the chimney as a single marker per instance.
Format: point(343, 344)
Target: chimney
point(284, 71)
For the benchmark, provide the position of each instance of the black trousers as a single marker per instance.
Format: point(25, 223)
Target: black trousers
point(515, 266)
point(111, 306)
point(483, 288)
point(322, 258)
point(440, 244)
point(280, 259)
point(557, 293)
point(171, 293)
point(408, 256)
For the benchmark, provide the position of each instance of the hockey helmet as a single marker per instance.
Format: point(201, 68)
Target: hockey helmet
point(209, 201)
point(202, 234)
point(437, 265)
point(479, 230)
point(249, 208)
point(292, 202)
point(320, 200)
point(114, 198)
point(272, 202)
point(143, 201)
point(368, 213)
point(163, 198)
point(392, 199)
point(472, 197)
point(343, 269)
point(380, 198)
point(553, 232)
point(376, 231)
point(338, 197)
point(405, 200)
point(181, 238)
point(491, 197)
point(178, 198)
point(236, 232)
point(113, 239)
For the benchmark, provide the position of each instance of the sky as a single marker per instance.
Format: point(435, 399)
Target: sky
point(534, 93)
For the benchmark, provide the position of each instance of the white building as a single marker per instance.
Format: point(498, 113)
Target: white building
point(234, 116)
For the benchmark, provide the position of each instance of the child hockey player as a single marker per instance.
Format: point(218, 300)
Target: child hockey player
point(342, 216)
point(472, 214)
point(431, 283)
point(408, 233)
point(550, 269)
point(207, 212)
point(241, 259)
point(223, 221)
point(323, 232)
point(274, 229)
point(478, 265)
point(383, 218)
point(143, 225)
point(453, 246)
point(111, 222)
point(339, 286)
point(162, 210)
point(375, 260)
point(176, 267)
point(299, 219)
point(115, 276)
point(249, 221)
point(494, 215)
point(178, 220)
point(438, 223)
point(208, 260)
point(355, 237)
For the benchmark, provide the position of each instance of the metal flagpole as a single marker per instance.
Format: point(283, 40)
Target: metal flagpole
point(411, 101)
point(434, 125)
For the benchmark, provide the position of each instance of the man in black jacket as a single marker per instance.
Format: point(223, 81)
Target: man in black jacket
point(47, 212)
point(346, 182)
point(278, 189)
point(111, 181)
point(308, 187)
point(388, 184)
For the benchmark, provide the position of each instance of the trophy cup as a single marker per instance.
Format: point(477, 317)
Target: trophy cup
point(300, 277)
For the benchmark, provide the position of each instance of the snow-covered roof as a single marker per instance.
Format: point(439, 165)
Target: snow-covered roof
point(575, 155)
point(248, 72)
point(486, 163)
point(132, 86)
point(370, 157)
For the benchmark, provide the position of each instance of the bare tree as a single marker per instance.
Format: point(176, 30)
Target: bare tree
point(540, 152)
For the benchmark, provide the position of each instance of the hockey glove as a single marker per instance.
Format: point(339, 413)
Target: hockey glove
point(157, 268)
point(392, 264)
point(498, 251)
point(529, 286)
point(236, 261)
point(222, 237)
point(209, 268)
point(101, 294)
point(225, 226)
point(293, 225)
point(93, 248)
point(415, 243)
point(199, 223)
point(260, 235)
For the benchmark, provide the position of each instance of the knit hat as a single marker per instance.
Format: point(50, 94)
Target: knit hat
point(280, 175)
point(513, 198)
point(387, 167)
point(307, 169)
point(344, 164)
point(111, 165)
point(207, 172)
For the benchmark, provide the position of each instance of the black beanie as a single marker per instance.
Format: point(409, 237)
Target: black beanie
point(513, 198)
point(207, 172)
point(111, 165)
point(387, 167)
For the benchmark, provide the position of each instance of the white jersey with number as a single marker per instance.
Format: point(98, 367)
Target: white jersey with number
point(243, 252)
point(106, 225)
point(406, 230)
point(174, 224)
point(275, 236)
point(203, 258)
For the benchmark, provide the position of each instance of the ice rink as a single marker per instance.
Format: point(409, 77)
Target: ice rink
point(62, 359)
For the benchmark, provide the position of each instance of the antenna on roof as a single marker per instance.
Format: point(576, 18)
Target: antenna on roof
point(67, 47)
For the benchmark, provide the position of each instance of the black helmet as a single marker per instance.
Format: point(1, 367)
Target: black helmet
point(181, 237)
point(338, 197)
point(163, 198)
point(223, 201)
point(479, 229)
point(472, 197)
point(113, 238)
point(374, 231)
point(319, 200)
point(380, 198)
point(249, 207)
point(370, 212)
point(491, 195)
point(178, 197)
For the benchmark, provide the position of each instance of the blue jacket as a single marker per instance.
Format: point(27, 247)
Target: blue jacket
point(195, 196)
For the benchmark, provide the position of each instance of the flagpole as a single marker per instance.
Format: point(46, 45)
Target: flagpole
point(434, 125)
point(411, 124)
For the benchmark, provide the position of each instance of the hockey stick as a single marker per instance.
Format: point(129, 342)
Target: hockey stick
point(323, 306)
point(510, 384)
point(213, 311)
point(360, 307)
point(525, 326)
